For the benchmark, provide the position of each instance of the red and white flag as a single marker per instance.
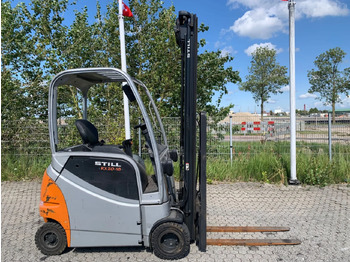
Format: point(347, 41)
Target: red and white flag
point(126, 11)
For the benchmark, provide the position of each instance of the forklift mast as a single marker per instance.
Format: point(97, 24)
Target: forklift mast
point(186, 37)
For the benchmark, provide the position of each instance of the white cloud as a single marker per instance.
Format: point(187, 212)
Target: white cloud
point(251, 49)
point(319, 104)
point(257, 23)
point(227, 50)
point(285, 88)
point(321, 8)
point(271, 101)
point(345, 102)
point(266, 18)
point(307, 95)
point(218, 44)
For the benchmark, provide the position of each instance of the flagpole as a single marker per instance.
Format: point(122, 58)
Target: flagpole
point(123, 62)
point(293, 176)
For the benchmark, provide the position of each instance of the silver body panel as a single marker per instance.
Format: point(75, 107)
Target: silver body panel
point(99, 218)
point(106, 221)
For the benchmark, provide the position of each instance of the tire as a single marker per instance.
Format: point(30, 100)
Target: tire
point(171, 241)
point(51, 239)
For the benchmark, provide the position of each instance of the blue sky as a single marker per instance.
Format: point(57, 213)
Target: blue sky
point(239, 26)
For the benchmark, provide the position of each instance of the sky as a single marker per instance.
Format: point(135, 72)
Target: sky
point(238, 27)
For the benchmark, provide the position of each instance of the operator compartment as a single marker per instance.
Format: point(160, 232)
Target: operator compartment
point(93, 122)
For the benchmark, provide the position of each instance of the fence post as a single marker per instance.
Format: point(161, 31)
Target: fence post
point(330, 136)
point(231, 156)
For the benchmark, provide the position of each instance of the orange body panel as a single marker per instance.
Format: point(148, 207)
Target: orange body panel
point(53, 205)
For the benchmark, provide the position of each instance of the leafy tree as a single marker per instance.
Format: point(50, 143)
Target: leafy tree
point(13, 52)
point(299, 112)
point(313, 110)
point(31, 48)
point(266, 76)
point(37, 44)
point(327, 79)
point(213, 76)
point(12, 98)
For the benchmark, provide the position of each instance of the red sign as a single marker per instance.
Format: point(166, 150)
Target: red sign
point(270, 122)
point(244, 123)
point(256, 123)
point(256, 128)
point(243, 128)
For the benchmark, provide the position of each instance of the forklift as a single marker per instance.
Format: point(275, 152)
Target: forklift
point(97, 194)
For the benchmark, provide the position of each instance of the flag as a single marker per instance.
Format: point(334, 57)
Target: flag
point(126, 11)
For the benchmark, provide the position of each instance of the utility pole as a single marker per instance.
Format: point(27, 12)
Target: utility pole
point(293, 169)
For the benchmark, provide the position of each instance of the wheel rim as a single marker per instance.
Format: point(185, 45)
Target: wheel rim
point(169, 242)
point(50, 240)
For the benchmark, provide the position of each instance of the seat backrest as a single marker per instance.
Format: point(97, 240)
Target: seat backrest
point(88, 132)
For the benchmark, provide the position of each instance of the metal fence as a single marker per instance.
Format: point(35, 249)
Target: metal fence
point(226, 139)
point(314, 135)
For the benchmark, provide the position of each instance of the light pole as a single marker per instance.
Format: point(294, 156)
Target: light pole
point(293, 170)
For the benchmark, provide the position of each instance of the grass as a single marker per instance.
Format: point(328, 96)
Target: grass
point(268, 163)
point(23, 167)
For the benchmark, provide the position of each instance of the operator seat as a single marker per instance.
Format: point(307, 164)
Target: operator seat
point(88, 132)
point(89, 135)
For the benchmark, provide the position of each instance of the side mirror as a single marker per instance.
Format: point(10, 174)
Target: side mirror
point(128, 92)
point(168, 167)
point(173, 155)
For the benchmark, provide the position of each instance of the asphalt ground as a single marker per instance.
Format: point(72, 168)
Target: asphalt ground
point(319, 217)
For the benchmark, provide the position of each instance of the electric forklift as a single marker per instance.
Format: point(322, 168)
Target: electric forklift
point(98, 194)
point(95, 194)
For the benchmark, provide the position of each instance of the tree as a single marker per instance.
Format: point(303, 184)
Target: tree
point(13, 54)
point(327, 79)
point(13, 105)
point(266, 76)
point(37, 44)
point(313, 111)
point(213, 76)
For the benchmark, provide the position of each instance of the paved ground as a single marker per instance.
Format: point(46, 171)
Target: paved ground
point(319, 217)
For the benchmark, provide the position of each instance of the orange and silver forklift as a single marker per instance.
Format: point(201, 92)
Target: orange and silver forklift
point(98, 194)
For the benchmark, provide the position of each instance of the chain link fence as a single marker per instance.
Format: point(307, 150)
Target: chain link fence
point(233, 136)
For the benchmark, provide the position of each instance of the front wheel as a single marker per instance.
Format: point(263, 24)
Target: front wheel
point(171, 241)
point(51, 239)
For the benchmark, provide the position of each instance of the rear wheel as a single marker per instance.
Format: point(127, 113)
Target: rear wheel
point(171, 241)
point(51, 239)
